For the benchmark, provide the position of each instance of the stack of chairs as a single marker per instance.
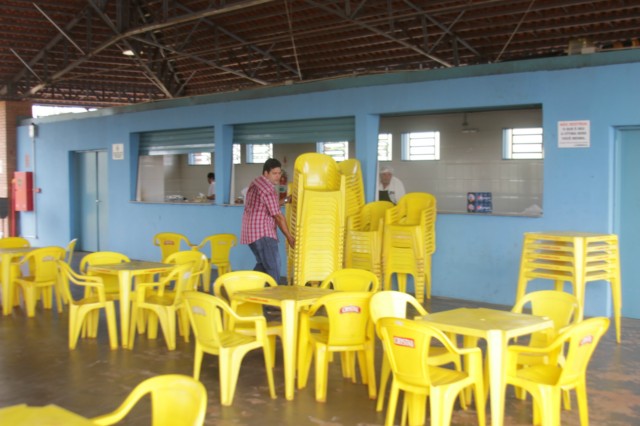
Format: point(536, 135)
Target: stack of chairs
point(316, 219)
point(354, 187)
point(409, 241)
point(363, 238)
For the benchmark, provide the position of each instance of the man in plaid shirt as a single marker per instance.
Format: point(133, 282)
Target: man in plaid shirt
point(261, 216)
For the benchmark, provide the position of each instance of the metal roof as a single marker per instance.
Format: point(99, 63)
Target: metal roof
point(72, 52)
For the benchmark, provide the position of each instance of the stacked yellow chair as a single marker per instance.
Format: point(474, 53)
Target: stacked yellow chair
point(409, 241)
point(354, 186)
point(316, 218)
point(574, 257)
point(363, 238)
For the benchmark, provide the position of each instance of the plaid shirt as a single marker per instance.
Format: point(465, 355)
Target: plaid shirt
point(260, 207)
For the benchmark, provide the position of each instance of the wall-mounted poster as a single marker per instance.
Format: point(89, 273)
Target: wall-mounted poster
point(479, 202)
point(574, 134)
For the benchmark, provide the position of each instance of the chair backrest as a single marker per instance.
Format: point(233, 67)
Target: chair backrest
point(393, 304)
point(69, 251)
point(69, 277)
point(406, 344)
point(562, 308)
point(176, 400)
point(101, 258)
point(14, 242)
point(351, 279)
point(43, 263)
point(220, 245)
point(409, 209)
point(226, 285)
point(169, 242)
point(348, 315)
point(180, 275)
point(582, 339)
point(373, 215)
point(206, 315)
point(196, 259)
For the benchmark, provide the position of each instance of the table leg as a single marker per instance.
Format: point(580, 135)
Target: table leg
point(7, 296)
point(496, 348)
point(289, 344)
point(124, 278)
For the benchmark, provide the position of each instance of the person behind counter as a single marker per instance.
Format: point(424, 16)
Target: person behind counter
point(211, 193)
point(390, 188)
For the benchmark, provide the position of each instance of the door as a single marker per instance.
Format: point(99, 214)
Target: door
point(90, 177)
point(627, 224)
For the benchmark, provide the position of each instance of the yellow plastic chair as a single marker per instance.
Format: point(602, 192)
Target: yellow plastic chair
point(407, 344)
point(562, 308)
point(220, 246)
point(71, 247)
point(349, 331)
point(545, 382)
point(352, 279)
point(227, 285)
point(206, 314)
point(14, 242)
point(409, 242)
point(111, 282)
point(198, 262)
point(396, 304)
point(87, 309)
point(363, 238)
point(166, 305)
point(169, 243)
point(176, 400)
point(42, 280)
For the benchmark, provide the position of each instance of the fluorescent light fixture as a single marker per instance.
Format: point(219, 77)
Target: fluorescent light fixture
point(128, 52)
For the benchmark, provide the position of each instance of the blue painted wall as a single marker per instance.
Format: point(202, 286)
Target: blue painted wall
point(477, 256)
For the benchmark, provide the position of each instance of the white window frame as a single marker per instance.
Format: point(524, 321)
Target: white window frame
point(385, 147)
point(525, 143)
point(338, 150)
point(258, 153)
point(237, 153)
point(421, 146)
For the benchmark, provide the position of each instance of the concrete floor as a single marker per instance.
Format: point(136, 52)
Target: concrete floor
point(37, 368)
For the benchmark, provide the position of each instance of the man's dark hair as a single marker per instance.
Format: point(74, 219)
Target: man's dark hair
point(211, 175)
point(270, 164)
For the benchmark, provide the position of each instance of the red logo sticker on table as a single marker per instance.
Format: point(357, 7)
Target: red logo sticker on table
point(404, 341)
point(350, 310)
point(586, 340)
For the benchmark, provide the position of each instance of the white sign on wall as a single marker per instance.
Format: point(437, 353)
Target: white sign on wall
point(574, 134)
point(117, 151)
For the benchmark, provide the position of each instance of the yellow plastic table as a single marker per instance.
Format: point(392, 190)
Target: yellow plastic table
point(126, 272)
point(290, 299)
point(50, 415)
point(7, 255)
point(496, 327)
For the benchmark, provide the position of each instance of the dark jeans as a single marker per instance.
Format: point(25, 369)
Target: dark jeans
point(267, 257)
